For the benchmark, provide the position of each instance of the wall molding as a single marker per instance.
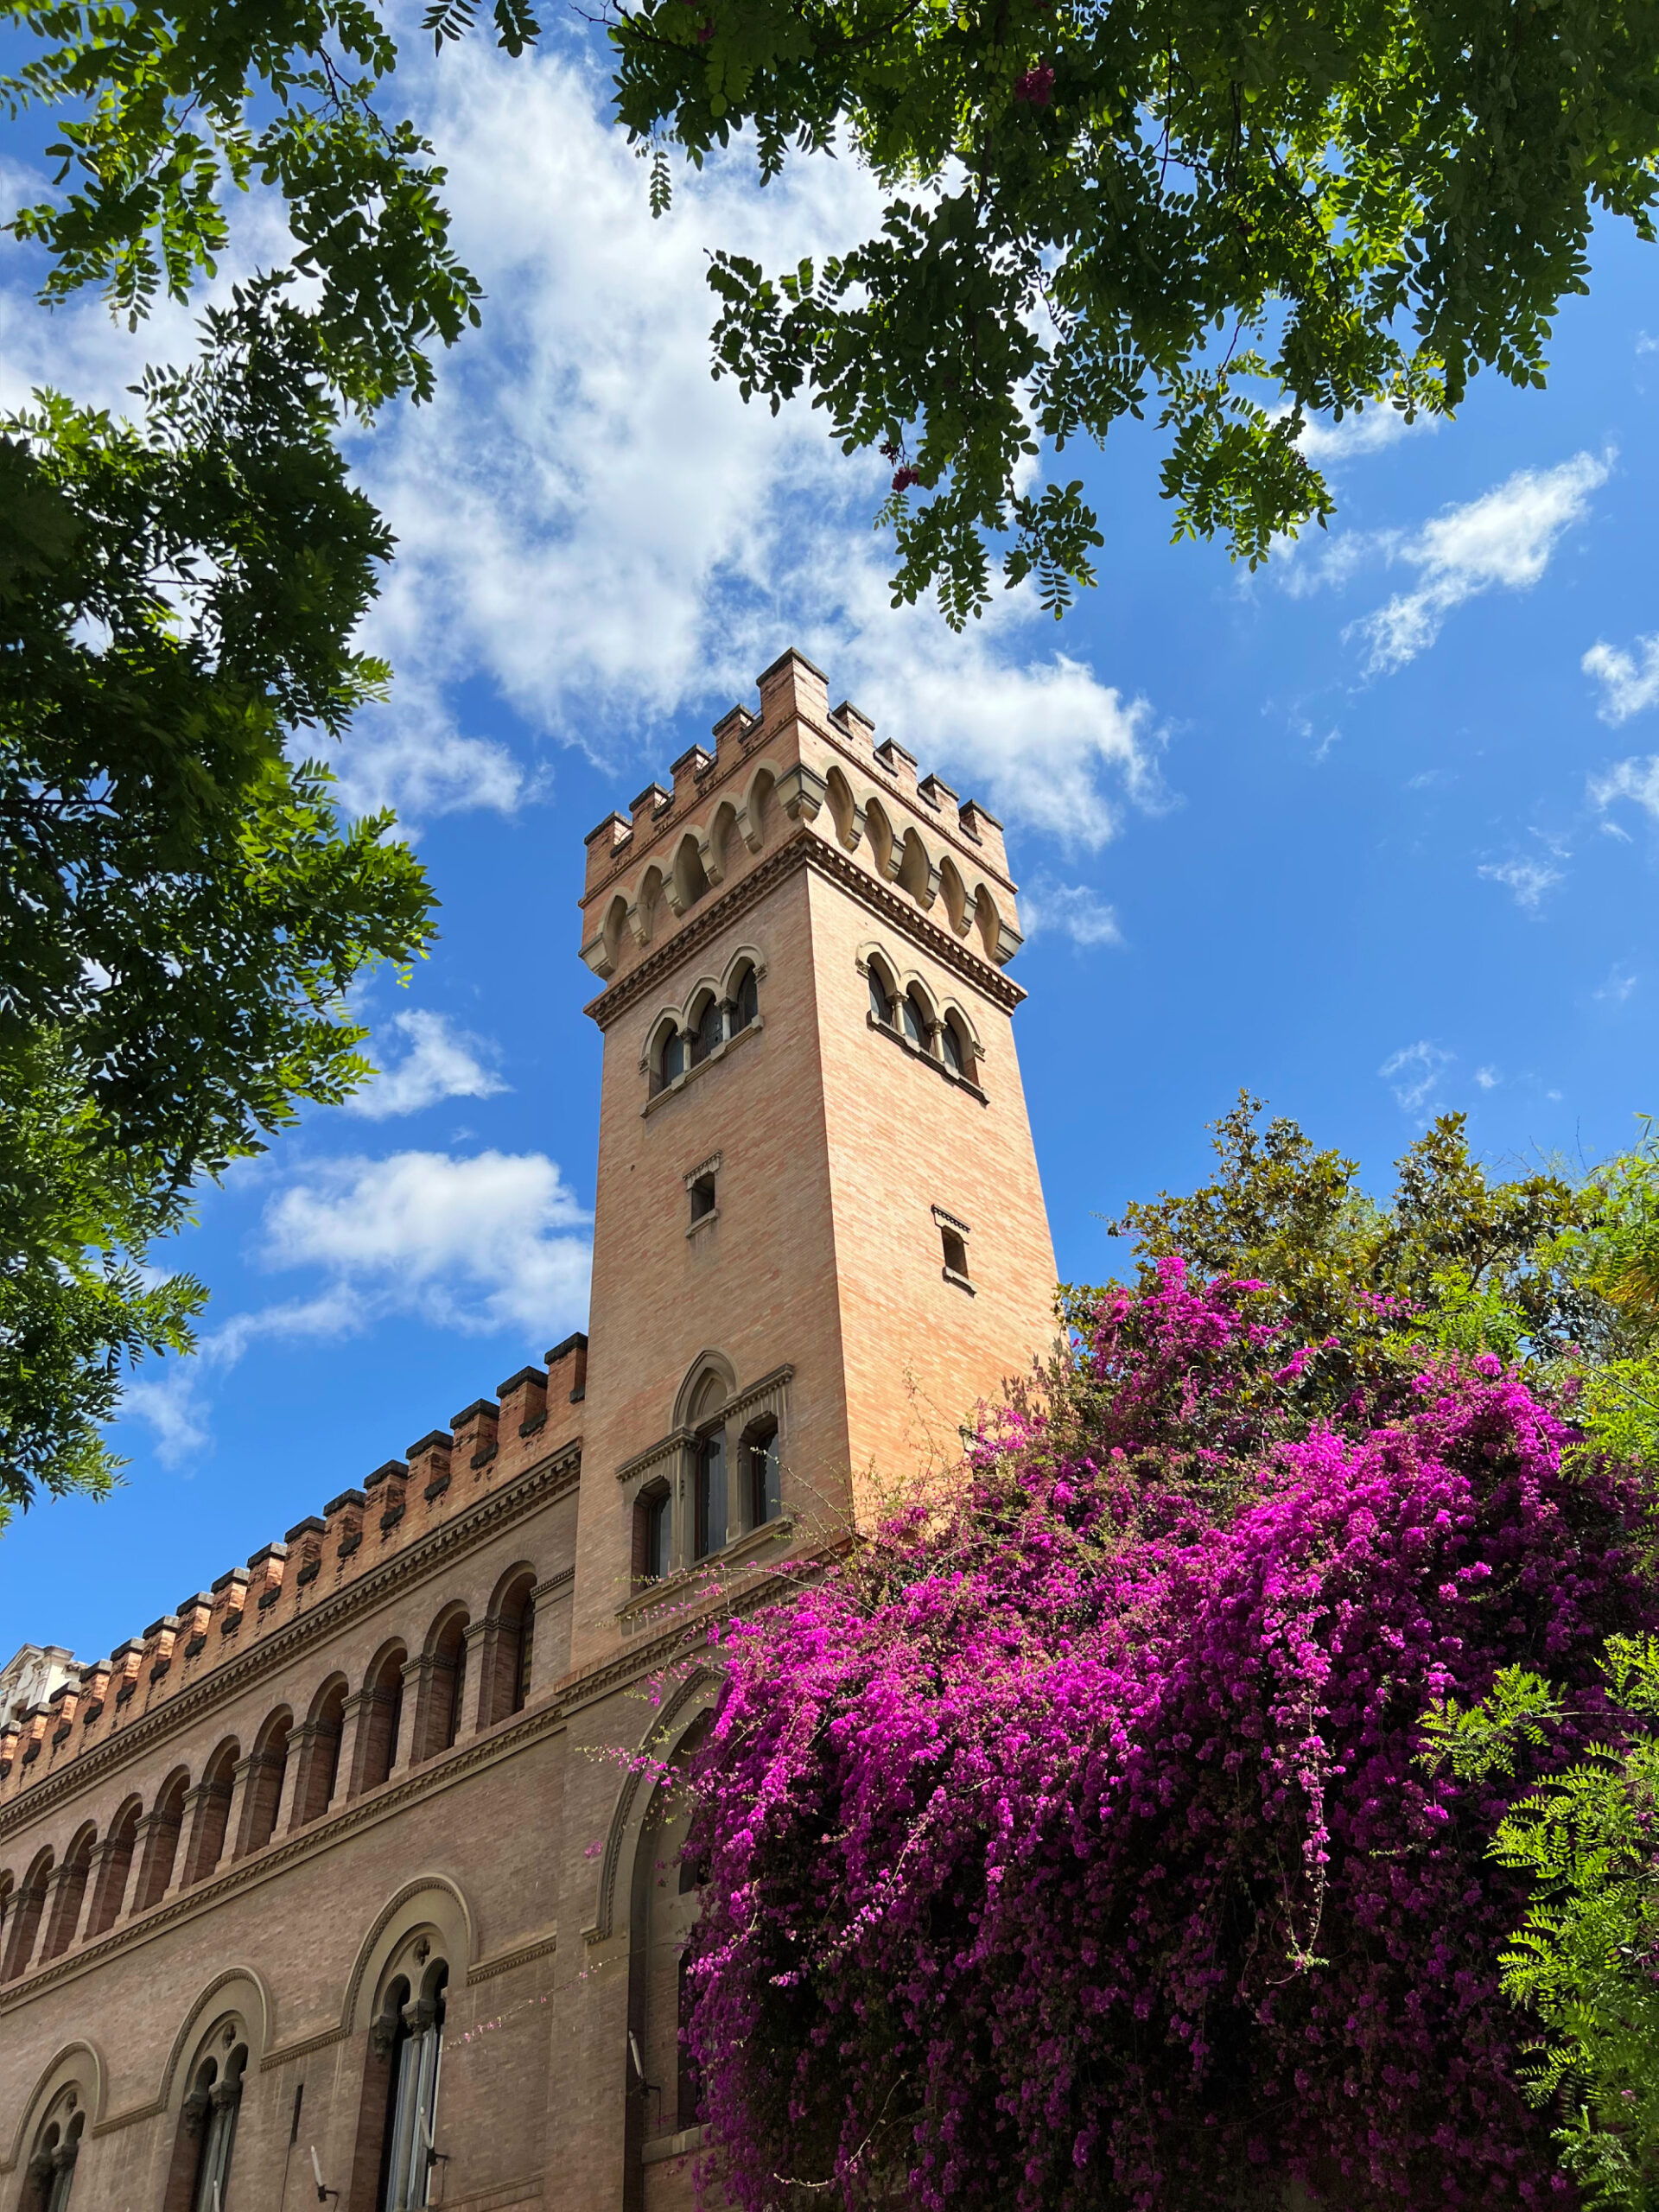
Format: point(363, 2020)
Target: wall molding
point(502, 1742)
point(538, 1486)
point(539, 1947)
point(803, 848)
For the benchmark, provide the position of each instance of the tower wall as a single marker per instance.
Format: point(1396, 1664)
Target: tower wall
point(178, 1886)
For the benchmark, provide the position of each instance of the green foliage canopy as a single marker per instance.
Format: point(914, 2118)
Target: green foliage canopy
point(1229, 215)
point(183, 911)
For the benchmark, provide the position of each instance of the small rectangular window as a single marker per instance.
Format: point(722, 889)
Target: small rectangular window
point(953, 1245)
point(703, 1197)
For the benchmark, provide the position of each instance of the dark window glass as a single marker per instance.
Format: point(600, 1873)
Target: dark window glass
point(673, 1057)
point(710, 1030)
point(658, 1522)
point(951, 1045)
point(955, 1252)
point(689, 2092)
point(745, 1007)
point(881, 1004)
point(766, 1497)
point(915, 1022)
point(711, 1494)
point(526, 1655)
point(703, 1197)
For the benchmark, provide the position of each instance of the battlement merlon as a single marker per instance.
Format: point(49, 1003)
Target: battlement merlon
point(59, 1709)
point(799, 763)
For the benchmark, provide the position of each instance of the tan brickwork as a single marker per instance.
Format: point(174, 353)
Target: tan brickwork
point(412, 1721)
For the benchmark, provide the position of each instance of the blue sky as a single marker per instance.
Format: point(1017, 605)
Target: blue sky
point(1371, 833)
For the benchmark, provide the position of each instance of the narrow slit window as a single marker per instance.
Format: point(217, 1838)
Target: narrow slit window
point(951, 1045)
point(880, 1002)
point(766, 1492)
point(711, 1494)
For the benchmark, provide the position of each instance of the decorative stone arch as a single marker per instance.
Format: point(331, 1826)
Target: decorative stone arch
point(78, 2065)
point(705, 1364)
point(430, 1900)
point(611, 929)
point(989, 920)
point(680, 1712)
point(886, 849)
point(751, 813)
point(240, 1990)
point(954, 1015)
point(642, 906)
point(746, 956)
point(668, 1021)
point(918, 871)
point(845, 810)
point(716, 842)
point(397, 1962)
point(959, 901)
point(686, 879)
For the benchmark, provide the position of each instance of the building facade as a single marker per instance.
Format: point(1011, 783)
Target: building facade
point(344, 1881)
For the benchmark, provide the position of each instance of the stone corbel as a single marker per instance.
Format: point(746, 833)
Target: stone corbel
point(674, 895)
point(1008, 941)
point(747, 827)
point(600, 957)
point(708, 854)
point(802, 792)
point(639, 923)
point(969, 915)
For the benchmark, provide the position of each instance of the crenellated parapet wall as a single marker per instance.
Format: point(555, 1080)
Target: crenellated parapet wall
point(799, 765)
point(485, 1446)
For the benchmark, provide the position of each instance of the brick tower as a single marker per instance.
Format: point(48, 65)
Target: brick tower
point(819, 1231)
point(392, 1792)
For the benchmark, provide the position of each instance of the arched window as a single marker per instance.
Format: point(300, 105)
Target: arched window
point(382, 1722)
point(880, 997)
point(213, 1796)
point(414, 2027)
point(71, 1893)
point(950, 1046)
point(653, 1528)
point(708, 1031)
point(710, 1534)
point(917, 1026)
point(266, 1783)
point(209, 2117)
point(448, 1689)
point(24, 1920)
point(162, 1841)
point(667, 1057)
point(111, 1889)
point(52, 2168)
point(746, 1002)
point(766, 1496)
point(320, 1771)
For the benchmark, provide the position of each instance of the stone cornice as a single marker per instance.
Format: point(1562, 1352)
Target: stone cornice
point(803, 848)
point(502, 1742)
point(536, 1486)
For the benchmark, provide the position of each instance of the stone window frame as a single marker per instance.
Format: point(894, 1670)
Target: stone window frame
point(683, 1023)
point(671, 1463)
point(954, 1230)
point(901, 987)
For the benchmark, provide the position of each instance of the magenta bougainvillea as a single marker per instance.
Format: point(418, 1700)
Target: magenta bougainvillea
point(1071, 1848)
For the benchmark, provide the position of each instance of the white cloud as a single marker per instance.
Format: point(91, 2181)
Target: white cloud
point(1635, 779)
point(1628, 686)
point(1327, 444)
point(490, 1242)
point(1070, 908)
point(1528, 880)
point(607, 535)
point(1504, 537)
point(440, 1063)
point(1414, 1072)
point(1620, 982)
point(1488, 1078)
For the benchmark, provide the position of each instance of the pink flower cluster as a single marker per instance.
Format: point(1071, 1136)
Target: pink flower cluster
point(1075, 1853)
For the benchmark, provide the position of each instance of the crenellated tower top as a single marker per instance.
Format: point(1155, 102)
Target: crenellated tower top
point(821, 768)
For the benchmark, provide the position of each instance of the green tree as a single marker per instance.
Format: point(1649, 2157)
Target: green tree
point(1224, 216)
point(183, 910)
